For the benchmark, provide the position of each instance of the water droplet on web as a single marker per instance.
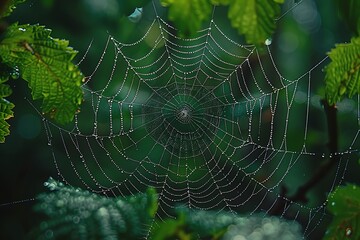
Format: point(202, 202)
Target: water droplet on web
point(268, 41)
point(333, 204)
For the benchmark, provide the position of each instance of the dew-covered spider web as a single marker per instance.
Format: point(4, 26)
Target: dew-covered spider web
point(208, 121)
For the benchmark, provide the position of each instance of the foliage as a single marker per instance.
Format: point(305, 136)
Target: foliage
point(255, 19)
point(344, 204)
point(5, 106)
point(343, 73)
point(46, 64)
point(198, 224)
point(73, 213)
point(188, 14)
point(78, 214)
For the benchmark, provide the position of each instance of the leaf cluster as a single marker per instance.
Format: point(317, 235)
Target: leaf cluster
point(343, 72)
point(46, 64)
point(255, 19)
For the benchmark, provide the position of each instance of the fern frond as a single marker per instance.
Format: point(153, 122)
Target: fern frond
point(343, 73)
point(6, 7)
point(74, 213)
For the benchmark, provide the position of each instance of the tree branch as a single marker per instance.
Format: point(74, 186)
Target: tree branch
point(324, 168)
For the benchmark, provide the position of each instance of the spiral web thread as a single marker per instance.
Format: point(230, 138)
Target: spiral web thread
point(208, 122)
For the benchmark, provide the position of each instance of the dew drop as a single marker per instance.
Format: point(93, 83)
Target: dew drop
point(348, 232)
point(268, 41)
point(136, 15)
point(333, 204)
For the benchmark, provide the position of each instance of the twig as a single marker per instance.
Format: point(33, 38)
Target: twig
point(321, 172)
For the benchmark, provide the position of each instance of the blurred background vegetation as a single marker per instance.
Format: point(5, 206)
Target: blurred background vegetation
point(302, 39)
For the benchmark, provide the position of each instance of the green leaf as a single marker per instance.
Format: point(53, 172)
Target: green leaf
point(5, 111)
point(342, 74)
point(169, 229)
point(5, 106)
point(254, 18)
point(188, 15)
point(5, 90)
point(344, 204)
point(350, 13)
point(7, 6)
point(220, 2)
point(73, 213)
point(45, 63)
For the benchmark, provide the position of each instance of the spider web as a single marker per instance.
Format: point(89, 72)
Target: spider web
point(207, 121)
